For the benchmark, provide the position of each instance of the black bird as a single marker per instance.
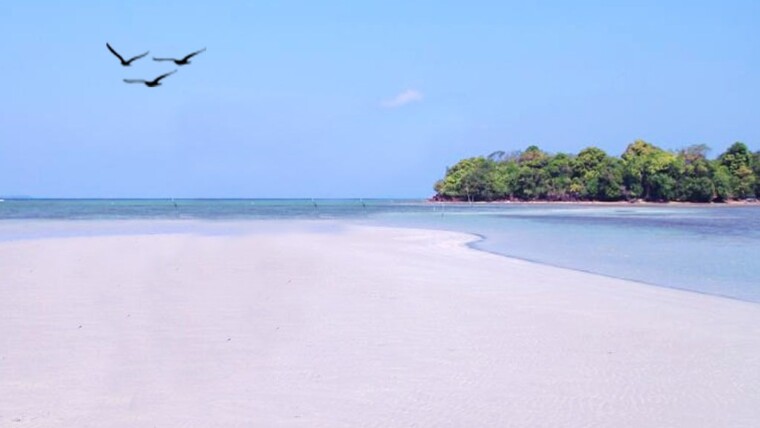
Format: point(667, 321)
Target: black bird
point(183, 61)
point(150, 83)
point(125, 63)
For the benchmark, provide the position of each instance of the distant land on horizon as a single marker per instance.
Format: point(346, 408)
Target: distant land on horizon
point(643, 172)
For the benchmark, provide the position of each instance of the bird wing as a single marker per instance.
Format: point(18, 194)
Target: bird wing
point(164, 75)
point(193, 54)
point(135, 81)
point(163, 59)
point(138, 56)
point(114, 52)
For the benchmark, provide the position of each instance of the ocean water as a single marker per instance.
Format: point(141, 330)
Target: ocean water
point(706, 249)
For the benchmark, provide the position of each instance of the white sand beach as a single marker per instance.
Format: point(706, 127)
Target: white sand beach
point(355, 327)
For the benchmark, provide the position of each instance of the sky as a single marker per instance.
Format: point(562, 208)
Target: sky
point(348, 99)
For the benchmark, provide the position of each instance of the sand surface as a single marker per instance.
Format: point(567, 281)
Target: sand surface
point(355, 327)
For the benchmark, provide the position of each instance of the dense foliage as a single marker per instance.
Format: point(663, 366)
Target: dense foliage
point(644, 171)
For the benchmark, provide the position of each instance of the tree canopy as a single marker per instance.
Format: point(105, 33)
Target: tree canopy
point(643, 171)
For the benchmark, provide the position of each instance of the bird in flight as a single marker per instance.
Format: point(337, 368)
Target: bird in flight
point(150, 83)
point(183, 61)
point(125, 63)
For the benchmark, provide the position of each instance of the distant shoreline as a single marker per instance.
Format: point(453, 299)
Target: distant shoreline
point(602, 203)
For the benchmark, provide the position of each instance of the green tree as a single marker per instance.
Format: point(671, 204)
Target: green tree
point(586, 171)
point(722, 182)
point(532, 178)
point(738, 160)
point(634, 160)
point(505, 179)
point(597, 176)
point(451, 186)
point(649, 171)
point(736, 156)
point(470, 179)
point(643, 171)
point(610, 180)
point(692, 173)
point(559, 171)
point(662, 187)
point(697, 189)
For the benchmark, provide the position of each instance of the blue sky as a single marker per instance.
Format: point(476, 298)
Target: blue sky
point(356, 98)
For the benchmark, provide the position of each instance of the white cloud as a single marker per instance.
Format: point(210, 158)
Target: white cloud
point(407, 97)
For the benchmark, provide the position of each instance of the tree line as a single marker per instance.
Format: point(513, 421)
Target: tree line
point(644, 171)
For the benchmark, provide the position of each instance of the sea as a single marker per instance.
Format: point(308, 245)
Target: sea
point(711, 249)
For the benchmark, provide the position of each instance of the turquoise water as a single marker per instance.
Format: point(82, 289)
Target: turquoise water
point(710, 249)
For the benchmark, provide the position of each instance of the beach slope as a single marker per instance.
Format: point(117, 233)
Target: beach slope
point(355, 327)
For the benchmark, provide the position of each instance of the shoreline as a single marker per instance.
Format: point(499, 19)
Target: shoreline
point(673, 204)
point(471, 245)
point(243, 227)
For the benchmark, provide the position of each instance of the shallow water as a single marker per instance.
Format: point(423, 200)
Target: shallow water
point(712, 250)
point(708, 249)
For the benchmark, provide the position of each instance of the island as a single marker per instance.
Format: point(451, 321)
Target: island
point(644, 172)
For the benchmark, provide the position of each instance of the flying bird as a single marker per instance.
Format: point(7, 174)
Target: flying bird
point(183, 61)
point(150, 83)
point(125, 63)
